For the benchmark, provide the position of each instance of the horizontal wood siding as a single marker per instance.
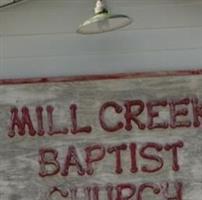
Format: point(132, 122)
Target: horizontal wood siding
point(37, 38)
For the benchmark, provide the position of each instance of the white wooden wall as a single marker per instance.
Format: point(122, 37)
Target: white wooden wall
point(37, 38)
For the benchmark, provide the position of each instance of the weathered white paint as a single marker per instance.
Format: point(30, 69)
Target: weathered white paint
point(19, 155)
point(37, 38)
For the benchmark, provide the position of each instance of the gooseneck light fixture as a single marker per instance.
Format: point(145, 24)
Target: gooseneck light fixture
point(5, 3)
point(103, 20)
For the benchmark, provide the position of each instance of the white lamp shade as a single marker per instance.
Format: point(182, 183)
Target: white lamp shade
point(104, 22)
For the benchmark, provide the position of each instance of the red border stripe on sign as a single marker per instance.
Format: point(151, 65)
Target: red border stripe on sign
point(100, 77)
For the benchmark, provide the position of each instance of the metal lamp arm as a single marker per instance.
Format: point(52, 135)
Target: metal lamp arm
point(100, 7)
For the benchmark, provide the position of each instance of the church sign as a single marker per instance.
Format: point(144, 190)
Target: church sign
point(116, 137)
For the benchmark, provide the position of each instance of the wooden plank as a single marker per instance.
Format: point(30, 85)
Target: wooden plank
point(138, 41)
point(99, 64)
point(39, 35)
point(42, 17)
point(124, 137)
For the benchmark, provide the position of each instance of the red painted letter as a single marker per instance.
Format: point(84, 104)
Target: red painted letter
point(174, 113)
point(39, 115)
point(55, 189)
point(156, 189)
point(75, 128)
point(109, 190)
point(174, 147)
point(48, 157)
point(117, 150)
point(99, 152)
point(154, 114)
point(72, 159)
point(149, 156)
point(51, 126)
point(118, 109)
point(133, 155)
point(128, 189)
point(20, 123)
point(131, 115)
point(197, 112)
point(178, 192)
